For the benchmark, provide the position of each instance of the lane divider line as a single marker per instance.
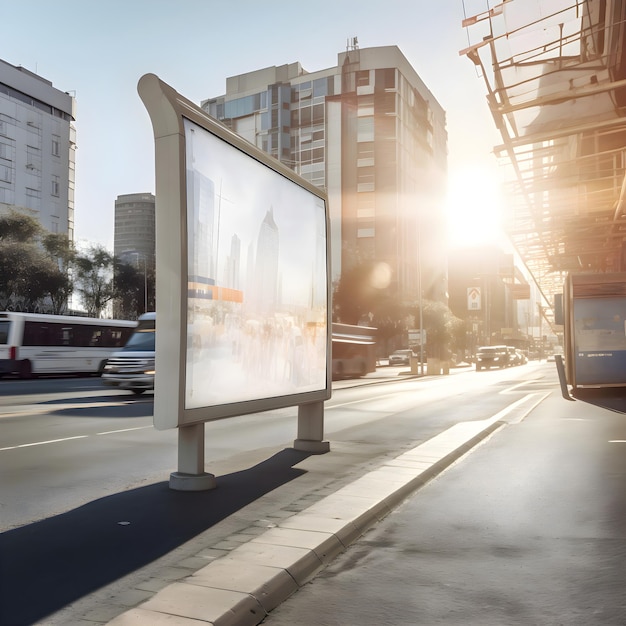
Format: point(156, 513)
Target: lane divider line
point(123, 430)
point(43, 443)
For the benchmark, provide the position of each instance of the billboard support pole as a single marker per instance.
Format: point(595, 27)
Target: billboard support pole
point(311, 429)
point(191, 475)
point(560, 368)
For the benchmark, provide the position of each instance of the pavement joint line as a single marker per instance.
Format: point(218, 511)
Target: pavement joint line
point(243, 586)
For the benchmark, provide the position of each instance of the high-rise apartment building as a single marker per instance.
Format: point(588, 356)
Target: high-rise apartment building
point(134, 232)
point(37, 149)
point(371, 134)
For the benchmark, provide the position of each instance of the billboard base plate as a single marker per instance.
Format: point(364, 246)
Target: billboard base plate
point(315, 447)
point(192, 482)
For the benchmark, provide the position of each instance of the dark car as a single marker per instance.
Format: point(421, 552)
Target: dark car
point(491, 356)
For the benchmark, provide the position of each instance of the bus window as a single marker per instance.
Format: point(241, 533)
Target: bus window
point(5, 326)
point(41, 343)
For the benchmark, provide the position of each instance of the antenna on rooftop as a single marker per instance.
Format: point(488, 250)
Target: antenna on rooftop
point(352, 44)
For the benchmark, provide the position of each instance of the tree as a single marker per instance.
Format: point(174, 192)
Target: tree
point(16, 226)
point(16, 260)
point(62, 255)
point(390, 320)
point(34, 265)
point(22, 263)
point(94, 279)
point(441, 327)
point(129, 290)
point(360, 291)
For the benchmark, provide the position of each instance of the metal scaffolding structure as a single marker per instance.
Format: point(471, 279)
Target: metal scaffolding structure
point(555, 75)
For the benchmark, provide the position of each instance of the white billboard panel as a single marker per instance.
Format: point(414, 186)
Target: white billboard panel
point(257, 287)
point(243, 288)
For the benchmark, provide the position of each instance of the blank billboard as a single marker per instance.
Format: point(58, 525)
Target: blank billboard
point(243, 267)
point(256, 272)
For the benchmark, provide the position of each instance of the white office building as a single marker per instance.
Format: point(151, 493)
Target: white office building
point(37, 149)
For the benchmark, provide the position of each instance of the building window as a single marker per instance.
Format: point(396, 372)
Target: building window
point(362, 78)
point(32, 198)
point(318, 114)
point(5, 151)
point(363, 233)
point(5, 173)
point(386, 78)
point(33, 158)
point(55, 186)
point(321, 87)
point(317, 155)
point(6, 195)
point(56, 145)
point(365, 129)
point(366, 106)
point(365, 158)
point(365, 179)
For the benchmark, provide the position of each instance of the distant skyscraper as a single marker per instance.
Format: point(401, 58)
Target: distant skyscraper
point(202, 252)
point(371, 134)
point(232, 273)
point(134, 235)
point(37, 149)
point(266, 265)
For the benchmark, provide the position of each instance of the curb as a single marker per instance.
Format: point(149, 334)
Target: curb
point(241, 588)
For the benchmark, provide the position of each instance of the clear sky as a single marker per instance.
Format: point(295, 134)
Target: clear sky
point(97, 51)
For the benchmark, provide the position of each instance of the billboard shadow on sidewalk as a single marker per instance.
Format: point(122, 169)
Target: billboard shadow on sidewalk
point(46, 565)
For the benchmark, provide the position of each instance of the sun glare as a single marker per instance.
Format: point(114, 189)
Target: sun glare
point(473, 207)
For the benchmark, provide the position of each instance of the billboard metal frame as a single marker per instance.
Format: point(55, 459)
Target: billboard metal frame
point(169, 111)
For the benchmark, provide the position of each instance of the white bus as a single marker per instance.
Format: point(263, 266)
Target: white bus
point(32, 344)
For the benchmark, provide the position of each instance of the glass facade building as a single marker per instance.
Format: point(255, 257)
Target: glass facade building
point(370, 133)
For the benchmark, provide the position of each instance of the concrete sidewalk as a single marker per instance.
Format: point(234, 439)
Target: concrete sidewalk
point(254, 577)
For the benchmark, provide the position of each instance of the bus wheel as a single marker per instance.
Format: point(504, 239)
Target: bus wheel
point(26, 369)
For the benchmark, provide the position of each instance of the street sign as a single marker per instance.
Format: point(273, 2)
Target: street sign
point(473, 299)
point(417, 337)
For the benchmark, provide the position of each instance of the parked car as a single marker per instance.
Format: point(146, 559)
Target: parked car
point(512, 357)
point(401, 357)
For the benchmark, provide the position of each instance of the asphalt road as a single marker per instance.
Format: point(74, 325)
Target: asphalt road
point(85, 505)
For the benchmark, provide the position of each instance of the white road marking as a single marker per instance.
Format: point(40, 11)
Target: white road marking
point(122, 430)
point(387, 395)
point(43, 443)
